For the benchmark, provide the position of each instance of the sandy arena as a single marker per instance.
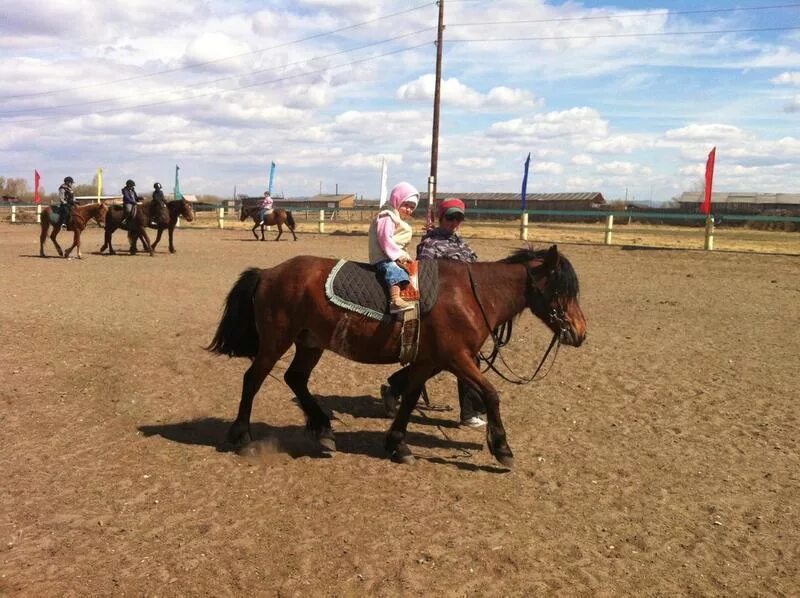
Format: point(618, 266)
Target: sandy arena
point(659, 459)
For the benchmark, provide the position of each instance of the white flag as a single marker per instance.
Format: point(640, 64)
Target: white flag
point(384, 189)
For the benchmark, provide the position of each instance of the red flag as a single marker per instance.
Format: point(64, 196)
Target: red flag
point(705, 207)
point(36, 177)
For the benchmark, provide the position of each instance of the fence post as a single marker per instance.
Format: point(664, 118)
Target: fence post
point(609, 228)
point(38, 213)
point(221, 217)
point(523, 227)
point(709, 243)
point(13, 214)
point(322, 221)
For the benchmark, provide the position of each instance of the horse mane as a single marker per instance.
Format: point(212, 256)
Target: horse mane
point(564, 279)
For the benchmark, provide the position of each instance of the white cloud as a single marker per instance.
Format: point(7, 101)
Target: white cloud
point(455, 93)
point(582, 160)
point(787, 79)
point(793, 105)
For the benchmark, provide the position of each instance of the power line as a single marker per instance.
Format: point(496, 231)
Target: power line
point(616, 35)
point(657, 13)
point(238, 76)
point(204, 95)
point(218, 60)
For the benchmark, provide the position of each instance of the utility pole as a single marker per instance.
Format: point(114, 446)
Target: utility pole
point(436, 98)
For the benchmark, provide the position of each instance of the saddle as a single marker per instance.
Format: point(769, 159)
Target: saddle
point(356, 287)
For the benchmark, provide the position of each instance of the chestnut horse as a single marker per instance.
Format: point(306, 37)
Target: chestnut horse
point(177, 208)
point(278, 218)
point(268, 310)
point(147, 212)
point(81, 215)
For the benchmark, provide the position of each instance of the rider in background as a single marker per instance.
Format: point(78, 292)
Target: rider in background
point(159, 204)
point(66, 199)
point(129, 202)
point(443, 242)
point(389, 235)
point(265, 208)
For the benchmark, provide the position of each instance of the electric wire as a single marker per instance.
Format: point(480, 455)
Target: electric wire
point(218, 60)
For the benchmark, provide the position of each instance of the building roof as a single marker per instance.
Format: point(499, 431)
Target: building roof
point(594, 196)
point(742, 197)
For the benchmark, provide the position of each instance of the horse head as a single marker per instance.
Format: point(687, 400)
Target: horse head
point(552, 294)
point(243, 214)
point(100, 214)
point(187, 212)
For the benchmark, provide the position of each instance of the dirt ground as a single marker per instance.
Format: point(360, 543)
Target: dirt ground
point(659, 459)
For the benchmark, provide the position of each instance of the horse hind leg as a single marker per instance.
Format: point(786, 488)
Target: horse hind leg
point(280, 231)
point(296, 377)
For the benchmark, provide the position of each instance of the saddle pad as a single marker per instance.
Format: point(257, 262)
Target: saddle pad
point(356, 287)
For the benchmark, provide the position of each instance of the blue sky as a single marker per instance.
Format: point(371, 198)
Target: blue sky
point(625, 98)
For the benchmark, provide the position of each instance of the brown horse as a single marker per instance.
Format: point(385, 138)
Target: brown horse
point(145, 213)
point(177, 208)
point(81, 215)
point(268, 310)
point(278, 218)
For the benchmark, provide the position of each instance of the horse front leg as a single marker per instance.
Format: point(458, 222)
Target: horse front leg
point(76, 243)
point(468, 371)
point(53, 236)
point(253, 230)
point(280, 232)
point(171, 245)
point(146, 241)
point(296, 377)
point(159, 230)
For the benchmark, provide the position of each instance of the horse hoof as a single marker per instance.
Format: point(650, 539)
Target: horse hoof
point(403, 458)
point(248, 450)
point(506, 460)
point(325, 440)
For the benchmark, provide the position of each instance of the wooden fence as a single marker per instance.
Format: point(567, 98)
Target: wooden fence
point(539, 225)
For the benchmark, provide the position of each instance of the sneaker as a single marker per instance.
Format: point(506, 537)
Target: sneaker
point(473, 422)
point(400, 305)
point(390, 400)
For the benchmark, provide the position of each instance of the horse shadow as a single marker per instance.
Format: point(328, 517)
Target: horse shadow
point(366, 406)
point(292, 440)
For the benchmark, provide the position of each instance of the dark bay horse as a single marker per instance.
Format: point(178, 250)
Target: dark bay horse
point(278, 218)
point(269, 310)
point(81, 215)
point(145, 213)
point(177, 208)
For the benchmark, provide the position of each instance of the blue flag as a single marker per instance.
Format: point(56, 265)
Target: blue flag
point(271, 177)
point(524, 192)
point(178, 194)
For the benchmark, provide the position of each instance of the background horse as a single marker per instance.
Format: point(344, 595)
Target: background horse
point(278, 218)
point(176, 208)
point(145, 212)
point(78, 220)
point(269, 310)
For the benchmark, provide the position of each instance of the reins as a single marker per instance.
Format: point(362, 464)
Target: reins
point(501, 335)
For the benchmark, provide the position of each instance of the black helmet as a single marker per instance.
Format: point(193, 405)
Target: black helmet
point(68, 180)
point(130, 183)
point(157, 186)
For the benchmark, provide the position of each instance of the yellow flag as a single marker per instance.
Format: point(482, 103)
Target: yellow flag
point(99, 183)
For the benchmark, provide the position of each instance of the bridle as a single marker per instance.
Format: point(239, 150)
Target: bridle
point(540, 303)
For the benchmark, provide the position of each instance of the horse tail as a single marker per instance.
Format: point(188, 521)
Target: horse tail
point(237, 335)
point(290, 219)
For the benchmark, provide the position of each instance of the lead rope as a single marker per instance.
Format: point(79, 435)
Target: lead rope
point(497, 333)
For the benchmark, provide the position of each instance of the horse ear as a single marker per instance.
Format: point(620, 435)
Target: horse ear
point(551, 259)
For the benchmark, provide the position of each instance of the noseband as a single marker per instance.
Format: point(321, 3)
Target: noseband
point(541, 303)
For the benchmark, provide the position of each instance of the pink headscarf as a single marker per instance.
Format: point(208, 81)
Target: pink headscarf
point(403, 192)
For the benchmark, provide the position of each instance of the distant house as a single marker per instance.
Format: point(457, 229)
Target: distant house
point(534, 201)
point(741, 202)
point(320, 202)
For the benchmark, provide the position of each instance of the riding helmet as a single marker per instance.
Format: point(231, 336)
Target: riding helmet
point(130, 183)
point(157, 186)
point(68, 180)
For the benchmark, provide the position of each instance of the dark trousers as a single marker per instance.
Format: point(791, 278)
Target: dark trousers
point(470, 402)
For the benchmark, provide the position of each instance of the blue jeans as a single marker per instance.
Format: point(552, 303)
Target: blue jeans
point(392, 274)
